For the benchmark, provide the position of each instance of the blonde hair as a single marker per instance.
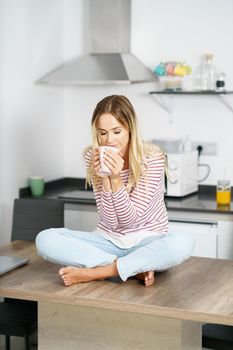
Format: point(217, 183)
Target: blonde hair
point(121, 108)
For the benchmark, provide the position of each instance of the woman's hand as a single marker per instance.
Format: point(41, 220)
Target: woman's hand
point(96, 161)
point(114, 162)
point(96, 168)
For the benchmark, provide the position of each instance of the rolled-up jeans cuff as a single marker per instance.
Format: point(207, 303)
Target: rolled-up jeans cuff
point(122, 275)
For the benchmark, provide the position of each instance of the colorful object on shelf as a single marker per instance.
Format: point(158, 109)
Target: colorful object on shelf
point(171, 75)
point(160, 70)
point(179, 69)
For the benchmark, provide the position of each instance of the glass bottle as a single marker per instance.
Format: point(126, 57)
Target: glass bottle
point(208, 73)
point(223, 192)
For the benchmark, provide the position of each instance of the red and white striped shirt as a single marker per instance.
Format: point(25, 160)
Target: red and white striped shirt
point(127, 218)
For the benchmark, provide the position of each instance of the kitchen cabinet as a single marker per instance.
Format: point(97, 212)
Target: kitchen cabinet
point(197, 214)
point(205, 236)
point(82, 217)
point(215, 241)
point(212, 233)
point(225, 240)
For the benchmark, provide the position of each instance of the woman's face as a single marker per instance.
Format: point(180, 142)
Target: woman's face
point(112, 133)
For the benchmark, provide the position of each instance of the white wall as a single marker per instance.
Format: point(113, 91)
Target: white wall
point(163, 30)
point(31, 131)
point(43, 130)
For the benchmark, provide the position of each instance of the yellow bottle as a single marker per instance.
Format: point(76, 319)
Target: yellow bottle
point(223, 192)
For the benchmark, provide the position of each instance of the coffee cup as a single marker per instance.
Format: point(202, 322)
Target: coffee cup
point(104, 170)
point(36, 184)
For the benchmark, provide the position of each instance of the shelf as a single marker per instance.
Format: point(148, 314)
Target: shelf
point(189, 92)
point(166, 98)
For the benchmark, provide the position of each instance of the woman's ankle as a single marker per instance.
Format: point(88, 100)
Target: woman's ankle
point(102, 272)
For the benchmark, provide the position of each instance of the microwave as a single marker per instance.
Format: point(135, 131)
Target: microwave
point(181, 174)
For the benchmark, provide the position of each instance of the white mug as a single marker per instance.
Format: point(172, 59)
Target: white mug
point(104, 170)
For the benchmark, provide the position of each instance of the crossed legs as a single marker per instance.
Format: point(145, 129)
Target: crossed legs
point(71, 275)
point(89, 256)
point(67, 247)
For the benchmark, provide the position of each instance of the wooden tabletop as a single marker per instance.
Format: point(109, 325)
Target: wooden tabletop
point(200, 289)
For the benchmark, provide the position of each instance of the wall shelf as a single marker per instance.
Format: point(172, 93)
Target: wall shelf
point(165, 98)
point(189, 92)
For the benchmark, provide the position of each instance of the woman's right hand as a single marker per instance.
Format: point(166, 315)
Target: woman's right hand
point(96, 161)
point(96, 168)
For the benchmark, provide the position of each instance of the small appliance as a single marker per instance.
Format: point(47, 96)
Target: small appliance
point(182, 173)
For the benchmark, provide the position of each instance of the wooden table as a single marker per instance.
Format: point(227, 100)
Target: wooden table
point(116, 315)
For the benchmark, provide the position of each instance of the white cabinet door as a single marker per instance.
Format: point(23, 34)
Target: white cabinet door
point(81, 217)
point(204, 235)
point(225, 239)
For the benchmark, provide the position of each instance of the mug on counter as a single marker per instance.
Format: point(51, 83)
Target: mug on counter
point(36, 184)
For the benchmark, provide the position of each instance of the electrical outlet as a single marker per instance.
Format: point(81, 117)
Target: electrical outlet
point(208, 148)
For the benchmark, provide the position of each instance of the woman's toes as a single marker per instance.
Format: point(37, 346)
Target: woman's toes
point(61, 271)
point(66, 280)
point(149, 278)
point(65, 270)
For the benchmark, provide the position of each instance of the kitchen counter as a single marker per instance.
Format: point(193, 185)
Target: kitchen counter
point(72, 190)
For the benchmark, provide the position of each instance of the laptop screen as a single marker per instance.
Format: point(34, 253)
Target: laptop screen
point(8, 263)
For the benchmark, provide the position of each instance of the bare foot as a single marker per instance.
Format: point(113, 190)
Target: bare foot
point(147, 277)
point(72, 275)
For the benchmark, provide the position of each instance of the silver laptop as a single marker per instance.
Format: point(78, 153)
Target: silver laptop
point(8, 263)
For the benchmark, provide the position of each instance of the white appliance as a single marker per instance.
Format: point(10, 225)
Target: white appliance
point(182, 173)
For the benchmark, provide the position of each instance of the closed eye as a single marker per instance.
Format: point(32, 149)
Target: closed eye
point(102, 133)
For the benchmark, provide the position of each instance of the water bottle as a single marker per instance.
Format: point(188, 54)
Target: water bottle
point(208, 73)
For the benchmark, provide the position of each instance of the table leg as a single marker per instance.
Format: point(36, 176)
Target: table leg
point(77, 327)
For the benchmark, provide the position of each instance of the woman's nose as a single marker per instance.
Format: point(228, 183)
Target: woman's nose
point(109, 138)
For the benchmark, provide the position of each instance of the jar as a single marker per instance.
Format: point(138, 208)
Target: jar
point(208, 73)
point(223, 192)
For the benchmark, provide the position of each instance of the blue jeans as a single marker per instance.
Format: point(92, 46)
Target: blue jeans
point(88, 249)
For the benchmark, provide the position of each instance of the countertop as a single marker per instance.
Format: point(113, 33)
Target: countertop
point(72, 190)
point(200, 289)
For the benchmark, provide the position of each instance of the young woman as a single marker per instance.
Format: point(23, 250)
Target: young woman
point(131, 238)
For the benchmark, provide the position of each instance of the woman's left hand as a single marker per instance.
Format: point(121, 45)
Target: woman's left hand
point(114, 162)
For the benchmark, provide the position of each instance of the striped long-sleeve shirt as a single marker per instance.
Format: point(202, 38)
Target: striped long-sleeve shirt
point(127, 218)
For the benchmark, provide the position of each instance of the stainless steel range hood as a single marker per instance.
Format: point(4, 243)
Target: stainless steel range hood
point(110, 61)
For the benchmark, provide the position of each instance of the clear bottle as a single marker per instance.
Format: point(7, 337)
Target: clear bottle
point(208, 74)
